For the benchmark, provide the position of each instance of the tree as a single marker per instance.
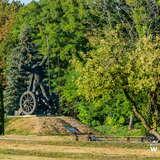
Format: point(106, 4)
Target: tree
point(113, 69)
point(93, 84)
point(17, 79)
point(59, 32)
point(114, 14)
point(8, 12)
point(144, 83)
point(7, 15)
point(102, 61)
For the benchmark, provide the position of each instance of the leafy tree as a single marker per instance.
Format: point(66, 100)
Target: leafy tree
point(69, 96)
point(59, 32)
point(144, 83)
point(93, 84)
point(8, 13)
point(114, 14)
point(7, 17)
point(112, 69)
point(102, 61)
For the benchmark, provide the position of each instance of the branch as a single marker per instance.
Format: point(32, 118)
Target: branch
point(135, 110)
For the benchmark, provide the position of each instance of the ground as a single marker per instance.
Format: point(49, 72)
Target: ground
point(46, 138)
point(66, 148)
point(50, 125)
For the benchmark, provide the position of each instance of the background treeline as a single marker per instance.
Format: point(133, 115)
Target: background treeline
point(104, 59)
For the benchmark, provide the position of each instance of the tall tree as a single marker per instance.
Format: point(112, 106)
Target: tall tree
point(17, 79)
point(7, 16)
point(60, 32)
point(112, 69)
point(6, 21)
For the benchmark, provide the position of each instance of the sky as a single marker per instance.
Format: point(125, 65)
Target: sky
point(23, 1)
point(26, 1)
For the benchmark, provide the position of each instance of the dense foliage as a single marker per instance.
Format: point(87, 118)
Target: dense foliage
point(103, 57)
point(7, 18)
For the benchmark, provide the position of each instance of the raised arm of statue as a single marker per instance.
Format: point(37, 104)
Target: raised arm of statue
point(40, 64)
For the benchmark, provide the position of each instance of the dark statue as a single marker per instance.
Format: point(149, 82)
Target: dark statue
point(37, 72)
point(37, 99)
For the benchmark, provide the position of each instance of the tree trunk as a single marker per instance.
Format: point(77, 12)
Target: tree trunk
point(154, 107)
point(130, 125)
point(1, 110)
point(140, 117)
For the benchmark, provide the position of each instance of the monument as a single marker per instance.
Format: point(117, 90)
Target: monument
point(37, 99)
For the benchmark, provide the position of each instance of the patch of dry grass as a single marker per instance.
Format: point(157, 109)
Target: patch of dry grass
point(21, 157)
point(65, 148)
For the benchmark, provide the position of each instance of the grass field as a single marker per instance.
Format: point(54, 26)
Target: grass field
point(66, 148)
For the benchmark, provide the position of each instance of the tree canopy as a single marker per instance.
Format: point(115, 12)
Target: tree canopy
point(103, 57)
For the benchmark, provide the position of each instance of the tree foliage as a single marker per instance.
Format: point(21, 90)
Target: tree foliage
point(103, 56)
point(7, 17)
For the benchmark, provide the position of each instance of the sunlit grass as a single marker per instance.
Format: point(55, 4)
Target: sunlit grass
point(66, 148)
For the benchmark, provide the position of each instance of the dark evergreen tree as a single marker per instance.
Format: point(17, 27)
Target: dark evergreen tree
point(14, 85)
point(16, 78)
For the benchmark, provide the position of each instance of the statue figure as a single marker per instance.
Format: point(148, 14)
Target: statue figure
point(36, 95)
point(36, 92)
point(37, 72)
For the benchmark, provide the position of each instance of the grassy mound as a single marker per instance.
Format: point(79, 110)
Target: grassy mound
point(32, 125)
